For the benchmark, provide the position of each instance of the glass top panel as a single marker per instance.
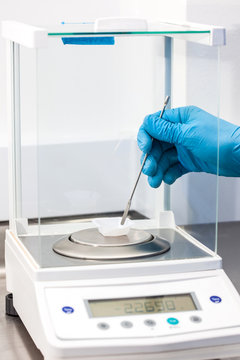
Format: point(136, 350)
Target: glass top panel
point(87, 28)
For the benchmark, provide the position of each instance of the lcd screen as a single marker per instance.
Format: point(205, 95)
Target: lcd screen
point(141, 305)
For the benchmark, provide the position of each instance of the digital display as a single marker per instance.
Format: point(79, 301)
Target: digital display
point(141, 305)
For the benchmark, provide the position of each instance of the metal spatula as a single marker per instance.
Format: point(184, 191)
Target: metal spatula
point(125, 214)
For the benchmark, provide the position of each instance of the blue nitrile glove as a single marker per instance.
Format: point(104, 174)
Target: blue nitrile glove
point(185, 140)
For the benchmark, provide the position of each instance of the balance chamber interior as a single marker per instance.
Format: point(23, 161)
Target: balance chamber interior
point(81, 108)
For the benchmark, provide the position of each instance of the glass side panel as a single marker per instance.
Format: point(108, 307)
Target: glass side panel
point(29, 134)
point(194, 196)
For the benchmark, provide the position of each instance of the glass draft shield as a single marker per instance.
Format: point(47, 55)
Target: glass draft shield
point(79, 101)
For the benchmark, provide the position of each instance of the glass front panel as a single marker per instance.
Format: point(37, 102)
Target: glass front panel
point(91, 102)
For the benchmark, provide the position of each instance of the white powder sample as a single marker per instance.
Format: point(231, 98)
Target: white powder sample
point(112, 226)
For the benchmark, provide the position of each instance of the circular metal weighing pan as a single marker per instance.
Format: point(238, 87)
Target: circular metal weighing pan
point(90, 244)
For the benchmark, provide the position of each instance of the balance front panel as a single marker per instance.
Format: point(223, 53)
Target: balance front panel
point(147, 310)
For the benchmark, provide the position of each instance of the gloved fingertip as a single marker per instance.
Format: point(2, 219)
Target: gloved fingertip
point(150, 166)
point(150, 119)
point(169, 179)
point(154, 181)
point(173, 173)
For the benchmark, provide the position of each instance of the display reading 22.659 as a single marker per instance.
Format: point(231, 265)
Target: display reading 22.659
point(141, 305)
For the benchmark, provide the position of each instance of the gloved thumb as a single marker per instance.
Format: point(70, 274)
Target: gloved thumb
point(162, 129)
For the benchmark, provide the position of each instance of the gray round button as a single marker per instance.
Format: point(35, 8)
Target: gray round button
point(126, 324)
point(195, 319)
point(103, 326)
point(149, 322)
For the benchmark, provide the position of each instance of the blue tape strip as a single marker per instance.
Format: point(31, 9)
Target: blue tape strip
point(98, 40)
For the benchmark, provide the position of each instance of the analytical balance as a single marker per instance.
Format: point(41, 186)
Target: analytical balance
point(77, 96)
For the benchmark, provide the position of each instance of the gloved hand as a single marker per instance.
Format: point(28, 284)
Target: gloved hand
point(186, 140)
